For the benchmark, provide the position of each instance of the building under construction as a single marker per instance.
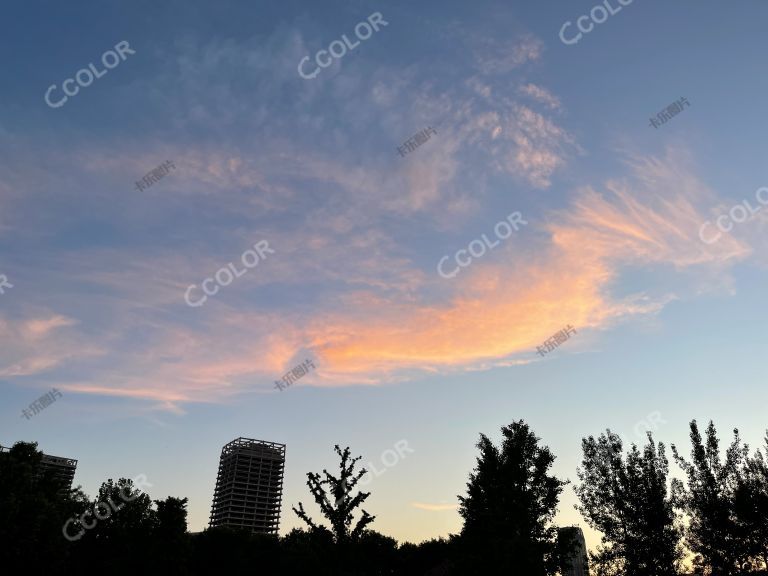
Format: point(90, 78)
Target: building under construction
point(249, 486)
point(62, 469)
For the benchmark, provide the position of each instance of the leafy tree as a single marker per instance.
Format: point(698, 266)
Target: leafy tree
point(224, 550)
point(627, 500)
point(116, 532)
point(751, 507)
point(375, 554)
point(508, 510)
point(171, 518)
point(308, 551)
point(332, 495)
point(33, 509)
point(429, 557)
point(169, 536)
point(709, 501)
point(605, 562)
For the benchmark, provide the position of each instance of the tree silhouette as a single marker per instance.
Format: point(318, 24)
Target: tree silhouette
point(117, 533)
point(508, 510)
point(751, 507)
point(32, 511)
point(309, 551)
point(709, 501)
point(171, 548)
point(339, 507)
point(225, 550)
point(628, 502)
point(430, 557)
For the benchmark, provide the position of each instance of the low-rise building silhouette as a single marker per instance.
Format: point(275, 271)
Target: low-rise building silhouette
point(576, 563)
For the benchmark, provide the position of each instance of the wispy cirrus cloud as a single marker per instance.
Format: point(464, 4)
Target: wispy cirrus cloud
point(647, 219)
point(541, 94)
point(496, 57)
point(350, 283)
point(38, 343)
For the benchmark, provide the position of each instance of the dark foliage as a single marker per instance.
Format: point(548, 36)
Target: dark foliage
point(508, 510)
point(32, 510)
point(751, 507)
point(627, 500)
point(508, 519)
point(713, 534)
point(726, 501)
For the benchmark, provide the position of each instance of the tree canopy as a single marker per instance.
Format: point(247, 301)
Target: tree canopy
point(510, 503)
point(626, 498)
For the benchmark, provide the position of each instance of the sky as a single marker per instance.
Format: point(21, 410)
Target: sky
point(617, 235)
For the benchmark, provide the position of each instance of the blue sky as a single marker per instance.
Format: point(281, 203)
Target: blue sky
point(665, 322)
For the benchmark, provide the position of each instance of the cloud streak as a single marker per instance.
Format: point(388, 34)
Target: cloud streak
point(352, 283)
point(496, 312)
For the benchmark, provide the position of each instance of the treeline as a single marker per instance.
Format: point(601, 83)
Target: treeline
point(713, 520)
point(716, 516)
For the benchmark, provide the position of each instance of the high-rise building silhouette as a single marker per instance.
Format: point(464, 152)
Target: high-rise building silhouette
point(249, 486)
point(575, 563)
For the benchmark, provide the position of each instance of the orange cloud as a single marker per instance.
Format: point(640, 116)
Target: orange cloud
point(510, 302)
point(388, 324)
point(541, 94)
point(33, 346)
point(37, 328)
